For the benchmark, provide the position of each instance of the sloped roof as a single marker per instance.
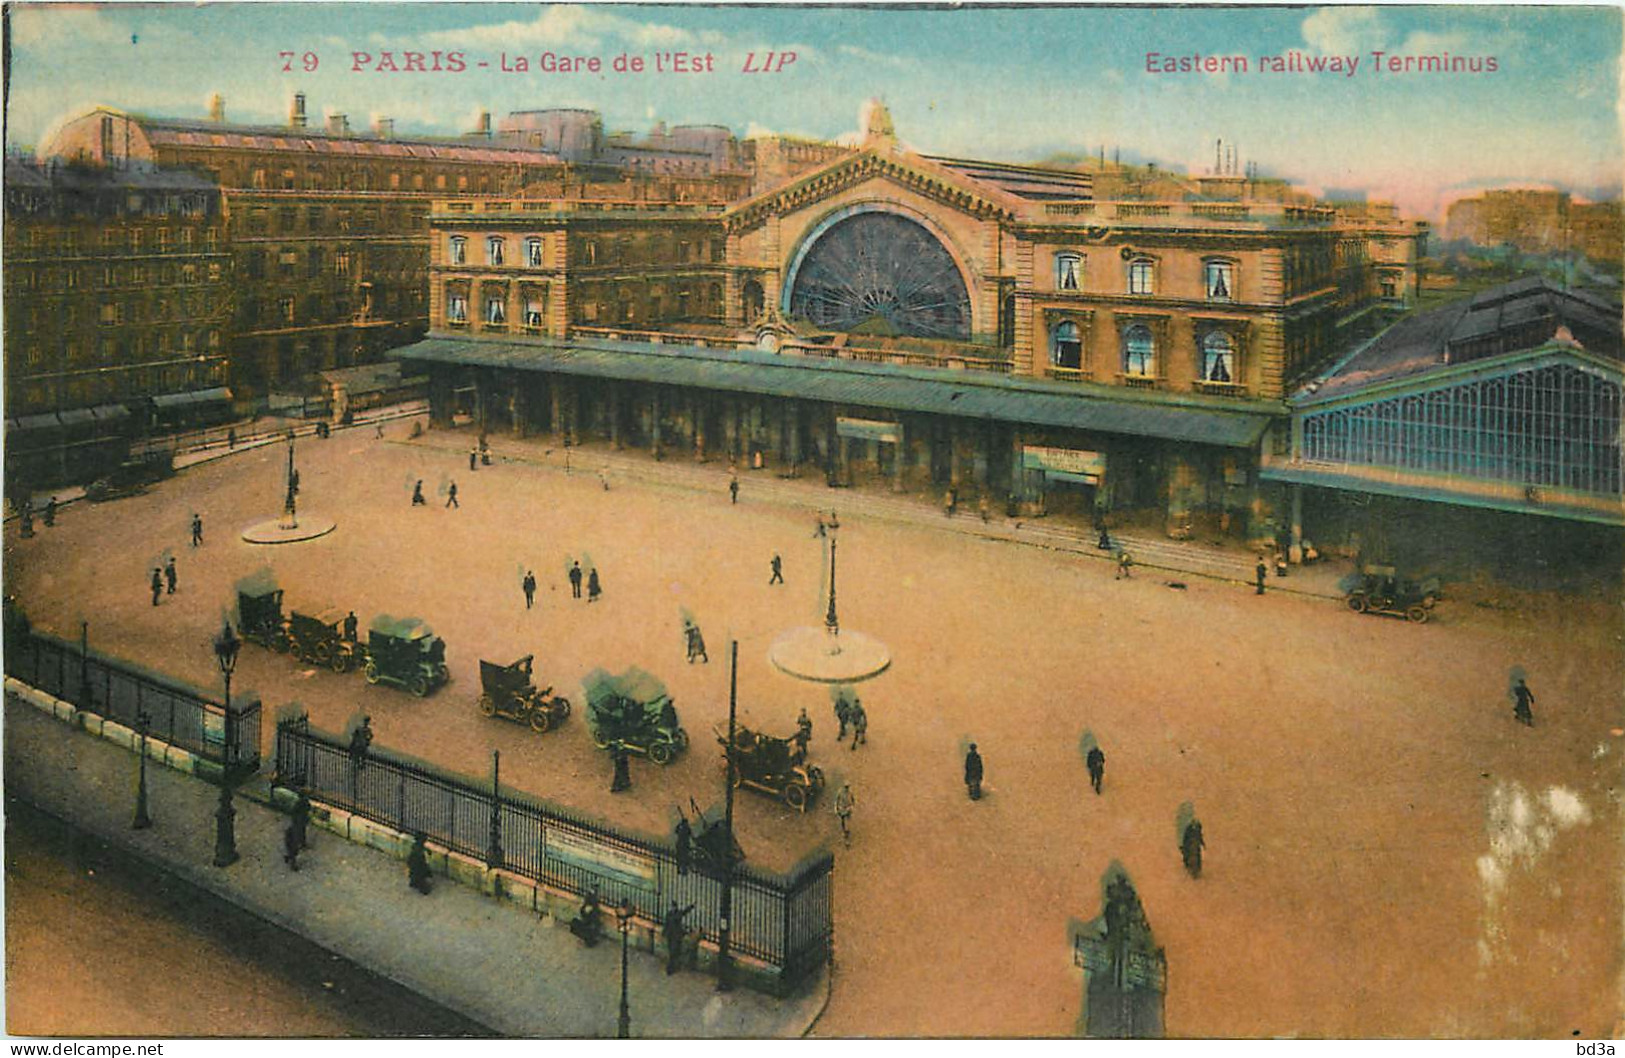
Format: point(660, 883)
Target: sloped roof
point(318, 141)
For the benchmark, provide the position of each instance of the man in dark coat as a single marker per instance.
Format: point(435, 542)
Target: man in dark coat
point(575, 580)
point(1522, 699)
point(860, 724)
point(778, 570)
point(473, 459)
point(843, 714)
point(1259, 573)
point(417, 495)
point(623, 768)
point(157, 584)
point(299, 824)
point(685, 842)
point(170, 574)
point(197, 529)
point(1191, 844)
point(675, 932)
point(50, 512)
point(351, 627)
point(417, 866)
point(529, 585)
point(291, 844)
point(361, 740)
point(973, 773)
point(733, 489)
point(1096, 760)
point(451, 497)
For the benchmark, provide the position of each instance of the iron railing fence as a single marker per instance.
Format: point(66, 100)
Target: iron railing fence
point(179, 714)
point(785, 921)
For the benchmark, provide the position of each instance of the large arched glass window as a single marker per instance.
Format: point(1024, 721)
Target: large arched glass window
point(1218, 357)
point(1066, 345)
point(1139, 352)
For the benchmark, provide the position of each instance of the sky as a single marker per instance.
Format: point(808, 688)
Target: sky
point(1007, 84)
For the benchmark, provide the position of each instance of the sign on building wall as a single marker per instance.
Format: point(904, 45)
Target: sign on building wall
point(1065, 464)
point(870, 429)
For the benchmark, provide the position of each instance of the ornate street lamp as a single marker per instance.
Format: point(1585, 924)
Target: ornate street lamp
point(226, 646)
point(832, 622)
point(623, 915)
point(142, 820)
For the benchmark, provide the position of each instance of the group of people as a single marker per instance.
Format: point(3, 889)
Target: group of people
point(595, 587)
point(165, 579)
point(849, 713)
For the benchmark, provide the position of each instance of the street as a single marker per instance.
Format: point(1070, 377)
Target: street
point(1388, 852)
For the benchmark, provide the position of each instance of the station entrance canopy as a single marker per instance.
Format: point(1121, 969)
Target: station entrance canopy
point(967, 395)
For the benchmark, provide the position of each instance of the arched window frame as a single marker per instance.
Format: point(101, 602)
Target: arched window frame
point(1139, 351)
point(1063, 334)
point(1219, 357)
point(457, 250)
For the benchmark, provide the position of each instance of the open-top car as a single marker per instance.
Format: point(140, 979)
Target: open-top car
point(633, 709)
point(1379, 590)
point(774, 766)
point(318, 637)
point(405, 652)
point(507, 691)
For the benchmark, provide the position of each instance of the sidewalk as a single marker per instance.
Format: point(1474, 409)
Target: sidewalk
point(495, 964)
point(1150, 551)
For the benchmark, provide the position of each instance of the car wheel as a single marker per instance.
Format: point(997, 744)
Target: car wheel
point(1417, 614)
point(1358, 603)
point(487, 706)
point(599, 740)
point(539, 721)
point(661, 753)
point(795, 795)
point(370, 672)
point(420, 685)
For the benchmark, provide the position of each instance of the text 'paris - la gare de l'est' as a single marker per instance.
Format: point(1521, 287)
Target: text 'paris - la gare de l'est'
point(1297, 62)
point(548, 62)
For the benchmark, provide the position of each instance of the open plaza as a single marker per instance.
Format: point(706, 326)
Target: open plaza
point(1388, 852)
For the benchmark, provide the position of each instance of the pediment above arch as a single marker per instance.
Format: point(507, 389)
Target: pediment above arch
point(910, 171)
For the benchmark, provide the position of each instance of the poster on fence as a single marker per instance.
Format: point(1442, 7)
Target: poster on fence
point(600, 859)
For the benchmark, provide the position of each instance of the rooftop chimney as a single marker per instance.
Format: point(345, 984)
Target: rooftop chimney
point(338, 124)
point(483, 126)
point(296, 114)
point(383, 128)
point(217, 108)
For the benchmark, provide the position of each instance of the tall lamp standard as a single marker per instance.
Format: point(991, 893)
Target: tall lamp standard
point(832, 622)
point(623, 915)
point(142, 820)
point(226, 647)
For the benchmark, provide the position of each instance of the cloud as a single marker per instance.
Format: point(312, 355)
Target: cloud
point(1344, 30)
point(875, 58)
point(569, 25)
point(56, 26)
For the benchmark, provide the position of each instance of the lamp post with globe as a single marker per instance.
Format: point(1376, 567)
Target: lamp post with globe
point(226, 647)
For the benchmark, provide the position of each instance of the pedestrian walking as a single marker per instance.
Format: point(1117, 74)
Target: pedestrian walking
point(860, 724)
point(1258, 575)
point(299, 822)
point(25, 523)
point(197, 530)
point(157, 584)
point(675, 932)
point(777, 565)
point(685, 842)
point(170, 574)
point(1096, 760)
point(378, 431)
point(417, 495)
point(473, 460)
point(1125, 565)
point(529, 586)
point(361, 740)
point(1191, 844)
point(451, 497)
point(575, 580)
point(973, 773)
point(623, 768)
point(417, 865)
point(822, 530)
point(804, 726)
point(291, 846)
point(843, 713)
point(733, 488)
point(844, 802)
point(595, 588)
point(1104, 541)
point(1523, 698)
point(50, 512)
point(696, 643)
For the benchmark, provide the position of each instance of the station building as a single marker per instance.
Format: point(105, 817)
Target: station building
point(923, 322)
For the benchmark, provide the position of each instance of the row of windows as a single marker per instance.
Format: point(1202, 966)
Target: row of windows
point(495, 312)
point(110, 350)
point(1218, 277)
point(317, 261)
point(496, 251)
point(287, 219)
point(313, 308)
point(137, 240)
point(1139, 352)
point(113, 276)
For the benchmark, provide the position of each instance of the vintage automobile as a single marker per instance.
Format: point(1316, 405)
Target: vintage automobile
point(634, 710)
point(131, 477)
point(318, 637)
point(507, 691)
point(405, 653)
point(260, 620)
point(774, 766)
point(1378, 590)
